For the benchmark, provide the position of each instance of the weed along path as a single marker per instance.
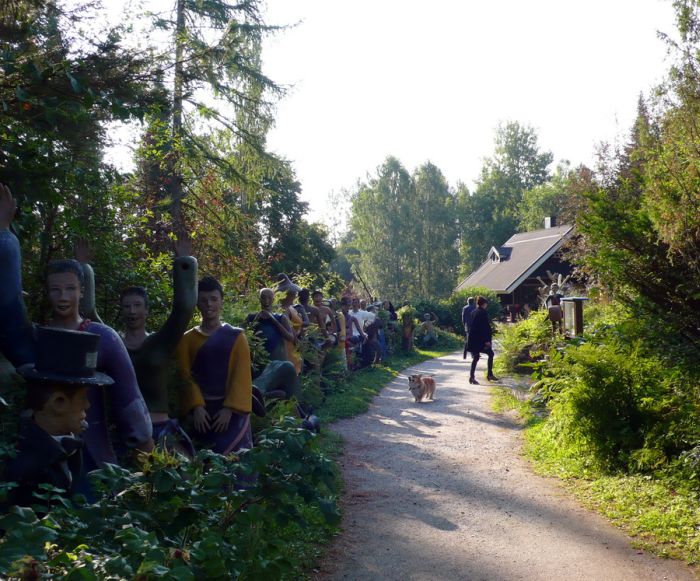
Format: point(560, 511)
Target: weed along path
point(439, 491)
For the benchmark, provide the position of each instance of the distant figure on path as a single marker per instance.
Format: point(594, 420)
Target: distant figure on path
point(480, 340)
point(467, 315)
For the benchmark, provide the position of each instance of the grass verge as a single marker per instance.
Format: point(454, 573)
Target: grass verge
point(660, 517)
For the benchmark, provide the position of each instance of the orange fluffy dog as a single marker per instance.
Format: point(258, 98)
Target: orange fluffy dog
point(421, 386)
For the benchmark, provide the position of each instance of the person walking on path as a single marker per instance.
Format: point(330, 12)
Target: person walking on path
point(479, 340)
point(467, 314)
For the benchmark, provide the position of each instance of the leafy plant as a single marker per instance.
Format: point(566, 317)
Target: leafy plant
point(525, 342)
point(213, 518)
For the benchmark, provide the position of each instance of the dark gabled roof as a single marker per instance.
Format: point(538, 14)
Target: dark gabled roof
point(503, 273)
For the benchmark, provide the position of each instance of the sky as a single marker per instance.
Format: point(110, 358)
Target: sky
point(431, 81)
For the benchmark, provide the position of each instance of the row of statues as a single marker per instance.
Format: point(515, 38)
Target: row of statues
point(76, 368)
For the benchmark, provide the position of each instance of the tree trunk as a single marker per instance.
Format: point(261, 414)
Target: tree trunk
point(174, 166)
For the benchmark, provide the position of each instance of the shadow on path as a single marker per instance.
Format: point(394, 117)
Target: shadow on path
point(437, 490)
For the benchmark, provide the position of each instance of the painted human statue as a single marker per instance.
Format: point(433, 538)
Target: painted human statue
point(50, 449)
point(280, 376)
point(213, 360)
point(153, 353)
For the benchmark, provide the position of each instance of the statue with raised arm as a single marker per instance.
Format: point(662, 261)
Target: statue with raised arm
point(275, 329)
point(153, 353)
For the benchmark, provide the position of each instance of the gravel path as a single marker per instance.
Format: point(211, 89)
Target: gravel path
point(439, 491)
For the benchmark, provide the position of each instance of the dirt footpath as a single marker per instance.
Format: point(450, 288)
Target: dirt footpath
point(439, 491)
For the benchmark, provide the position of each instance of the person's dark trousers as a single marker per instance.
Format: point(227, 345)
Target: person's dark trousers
point(466, 343)
point(475, 359)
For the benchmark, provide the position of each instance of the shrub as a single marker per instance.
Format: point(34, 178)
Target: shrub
point(620, 405)
point(182, 520)
point(455, 303)
point(449, 311)
point(524, 342)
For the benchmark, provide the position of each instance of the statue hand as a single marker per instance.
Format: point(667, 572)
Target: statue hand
point(183, 244)
point(146, 447)
point(222, 420)
point(8, 207)
point(202, 420)
point(82, 250)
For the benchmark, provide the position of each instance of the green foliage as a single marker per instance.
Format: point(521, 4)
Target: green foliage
point(526, 341)
point(184, 520)
point(620, 405)
point(560, 198)
point(640, 246)
point(404, 230)
point(490, 215)
point(329, 282)
point(456, 302)
point(434, 229)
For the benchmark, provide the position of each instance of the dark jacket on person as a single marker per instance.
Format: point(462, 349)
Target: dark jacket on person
point(41, 459)
point(479, 331)
point(467, 316)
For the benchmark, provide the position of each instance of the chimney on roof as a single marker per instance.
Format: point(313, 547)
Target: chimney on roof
point(550, 222)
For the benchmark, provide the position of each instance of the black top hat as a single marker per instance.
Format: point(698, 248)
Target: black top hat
point(65, 357)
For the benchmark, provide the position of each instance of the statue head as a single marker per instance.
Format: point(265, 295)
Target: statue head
point(317, 298)
point(210, 298)
point(65, 282)
point(133, 307)
point(58, 382)
point(304, 296)
point(267, 298)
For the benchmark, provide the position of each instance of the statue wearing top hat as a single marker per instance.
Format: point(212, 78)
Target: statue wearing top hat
point(49, 450)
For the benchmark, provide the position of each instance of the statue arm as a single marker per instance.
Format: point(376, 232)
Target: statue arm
point(334, 327)
point(285, 328)
point(184, 303)
point(239, 388)
point(127, 405)
point(88, 304)
point(16, 336)
point(190, 396)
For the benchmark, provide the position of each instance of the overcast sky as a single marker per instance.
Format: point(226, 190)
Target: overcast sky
point(431, 80)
